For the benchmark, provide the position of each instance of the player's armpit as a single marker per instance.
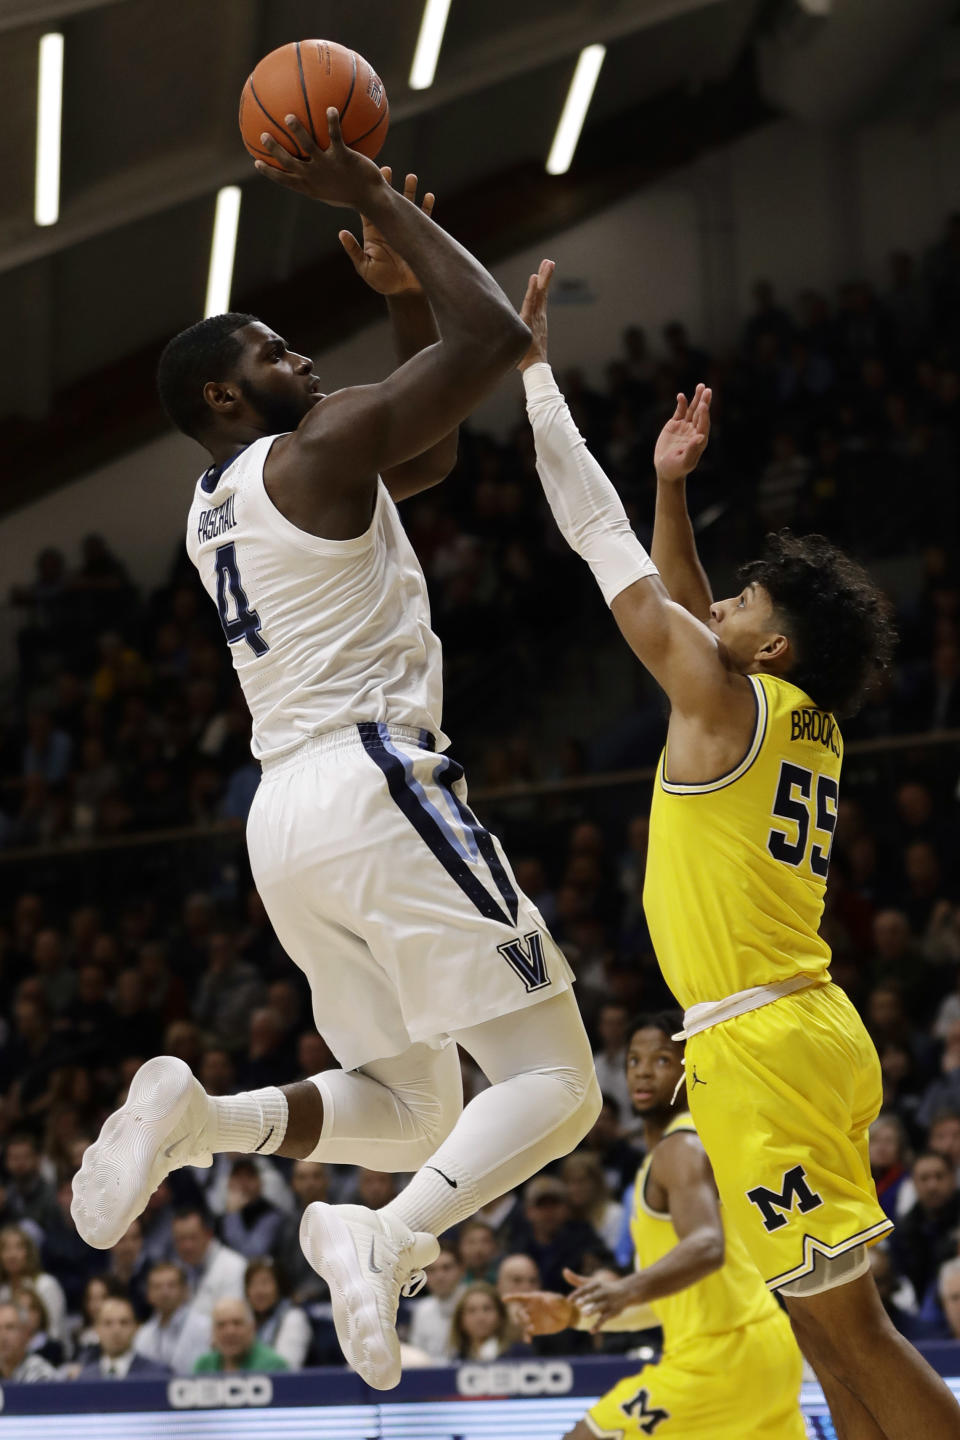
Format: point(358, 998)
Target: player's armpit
point(682, 655)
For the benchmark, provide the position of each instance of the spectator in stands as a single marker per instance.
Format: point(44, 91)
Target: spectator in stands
point(267, 1060)
point(116, 1329)
point(251, 1225)
point(175, 1334)
point(29, 1195)
point(944, 1092)
point(34, 1315)
point(375, 1188)
point(894, 1291)
point(610, 1061)
point(556, 1242)
point(129, 1266)
point(924, 1238)
point(309, 1182)
point(480, 1329)
point(20, 1264)
point(944, 1137)
point(214, 1272)
point(620, 1160)
point(589, 1198)
point(432, 1313)
point(235, 1343)
point(889, 1160)
point(16, 1364)
point(86, 1342)
point(478, 1251)
point(948, 1284)
point(229, 989)
point(282, 1326)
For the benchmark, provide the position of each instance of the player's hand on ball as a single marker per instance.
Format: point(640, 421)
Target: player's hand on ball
point(337, 175)
point(533, 312)
point(374, 260)
point(541, 1312)
point(684, 438)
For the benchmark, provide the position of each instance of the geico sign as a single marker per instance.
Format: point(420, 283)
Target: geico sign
point(535, 1378)
point(206, 1392)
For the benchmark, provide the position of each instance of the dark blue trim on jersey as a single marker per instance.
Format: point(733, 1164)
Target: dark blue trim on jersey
point(211, 478)
point(454, 853)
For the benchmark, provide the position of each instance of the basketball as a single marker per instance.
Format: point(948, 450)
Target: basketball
point(304, 78)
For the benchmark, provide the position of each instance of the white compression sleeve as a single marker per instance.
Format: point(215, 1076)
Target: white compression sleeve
point(585, 505)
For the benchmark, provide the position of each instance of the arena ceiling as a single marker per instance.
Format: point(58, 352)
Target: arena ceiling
point(150, 134)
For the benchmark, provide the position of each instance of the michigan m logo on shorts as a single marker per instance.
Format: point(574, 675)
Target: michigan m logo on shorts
point(526, 957)
point(771, 1202)
point(645, 1416)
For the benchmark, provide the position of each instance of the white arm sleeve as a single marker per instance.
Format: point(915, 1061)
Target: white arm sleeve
point(585, 505)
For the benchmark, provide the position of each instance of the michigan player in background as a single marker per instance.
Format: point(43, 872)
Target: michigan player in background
point(379, 881)
point(730, 1367)
point(784, 1080)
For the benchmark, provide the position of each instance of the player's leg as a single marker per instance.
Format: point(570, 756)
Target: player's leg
point(846, 1332)
point(580, 1431)
point(542, 1100)
point(390, 1115)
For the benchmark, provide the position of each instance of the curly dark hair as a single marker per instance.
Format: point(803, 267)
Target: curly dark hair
point(833, 614)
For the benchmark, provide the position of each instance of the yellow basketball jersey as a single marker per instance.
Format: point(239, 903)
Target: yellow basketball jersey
point(737, 868)
point(729, 1298)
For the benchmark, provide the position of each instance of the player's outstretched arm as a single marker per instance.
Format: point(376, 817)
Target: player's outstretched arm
point(678, 451)
point(414, 328)
point(681, 653)
point(362, 431)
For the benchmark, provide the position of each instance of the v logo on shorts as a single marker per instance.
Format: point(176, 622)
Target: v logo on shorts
point(458, 853)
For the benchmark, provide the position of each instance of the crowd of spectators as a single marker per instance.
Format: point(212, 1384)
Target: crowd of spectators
point(126, 720)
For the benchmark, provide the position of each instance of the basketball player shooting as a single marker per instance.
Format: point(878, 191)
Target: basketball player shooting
point(730, 1367)
point(381, 884)
point(786, 1079)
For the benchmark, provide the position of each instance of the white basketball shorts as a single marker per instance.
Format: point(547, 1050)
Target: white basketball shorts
point(383, 886)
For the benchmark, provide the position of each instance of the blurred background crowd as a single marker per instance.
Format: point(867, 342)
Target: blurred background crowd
point(129, 925)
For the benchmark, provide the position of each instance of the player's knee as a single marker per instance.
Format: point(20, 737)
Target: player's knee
point(583, 1101)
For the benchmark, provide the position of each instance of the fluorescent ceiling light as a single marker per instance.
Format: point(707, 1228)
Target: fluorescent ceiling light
point(575, 109)
point(222, 251)
point(429, 40)
point(46, 197)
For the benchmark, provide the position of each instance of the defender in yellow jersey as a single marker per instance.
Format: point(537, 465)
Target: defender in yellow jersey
point(730, 1367)
point(783, 1078)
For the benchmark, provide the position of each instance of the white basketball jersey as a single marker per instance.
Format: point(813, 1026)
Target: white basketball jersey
point(323, 633)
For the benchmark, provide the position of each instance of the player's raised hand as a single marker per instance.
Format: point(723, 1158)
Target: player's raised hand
point(598, 1297)
point(541, 1312)
point(376, 262)
point(337, 175)
point(683, 439)
point(533, 312)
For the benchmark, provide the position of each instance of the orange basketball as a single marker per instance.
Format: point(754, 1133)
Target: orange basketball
point(303, 79)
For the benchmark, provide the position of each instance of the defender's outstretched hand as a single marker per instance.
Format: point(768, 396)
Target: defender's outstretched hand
point(533, 312)
point(376, 262)
point(337, 175)
point(683, 439)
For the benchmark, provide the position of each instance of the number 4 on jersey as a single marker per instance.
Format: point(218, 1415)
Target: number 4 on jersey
point(246, 622)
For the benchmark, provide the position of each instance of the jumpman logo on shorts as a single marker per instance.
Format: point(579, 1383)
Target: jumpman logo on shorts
point(696, 1079)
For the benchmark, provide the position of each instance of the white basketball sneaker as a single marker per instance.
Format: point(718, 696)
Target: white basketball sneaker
point(158, 1129)
point(368, 1259)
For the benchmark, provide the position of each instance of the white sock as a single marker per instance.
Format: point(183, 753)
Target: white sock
point(251, 1123)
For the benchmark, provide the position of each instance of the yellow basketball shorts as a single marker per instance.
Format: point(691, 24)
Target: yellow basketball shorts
point(782, 1098)
point(744, 1385)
